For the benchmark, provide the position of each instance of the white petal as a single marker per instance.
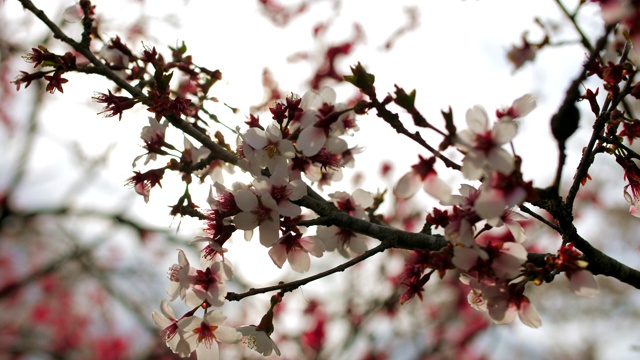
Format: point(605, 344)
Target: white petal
point(227, 335)
point(160, 320)
point(256, 138)
point(583, 283)
point(362, 198)
point(214, 317)
point(529, 315)
point(490, 204)
point(311, 140)
point(286, 149)
point(328, 95)
point(245, 221)
point(437, 188)
point(336, 145)
point(477, 119)
point(167, 310)
point(246, 200)
point(273, 132)
point(208, 353)
point(299, 260)
point(314, 246)
point(503, 132)
point(472, 167)
point(407, 186)
point(269, 232)
point(501, 161)
point(507, 265)
point(298, 190)
point(278, 255)
point(516, 230)
point(357, 245)
point(524, 104)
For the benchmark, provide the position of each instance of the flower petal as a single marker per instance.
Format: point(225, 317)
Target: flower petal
point(583, 283)
point(299, 260)
point(477, 119)
point(407, 186)
point(278, 255)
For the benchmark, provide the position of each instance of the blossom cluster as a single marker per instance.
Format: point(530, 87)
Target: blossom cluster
point(493, 269)
point(305, 138)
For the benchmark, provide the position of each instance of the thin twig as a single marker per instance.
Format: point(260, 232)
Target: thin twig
point(586, 160)
point(231, 296)
point(526, 210)
point(393, 119)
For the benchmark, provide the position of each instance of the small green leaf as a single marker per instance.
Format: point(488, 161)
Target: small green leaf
point(362, 80)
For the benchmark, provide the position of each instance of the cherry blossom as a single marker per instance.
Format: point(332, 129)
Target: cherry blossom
point(259, 212)
point(520, 108)
point(483, 145)
point(295, 248)
point(322, 122)
point(581, 281)
point(498, 193)
point(282, 191)
point(209, 284)
point(181, 276)
point(460, 228)
point(204, 334)
point(502, 260)
point(258, 340)
point(345, 241)
point(423, 174)
point(266, 148)
point(502, 302)
point(634, 208)
point(511, 220)
point(169, 324)
point(153, 137)
point(354, 204)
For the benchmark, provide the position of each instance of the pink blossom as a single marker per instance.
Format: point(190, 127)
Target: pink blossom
point(181, 276)
point(460, 229)
point(423, 174)
point(498, 193)
point(583, 283)
point(203, 335)
point(504, 302)
point(354, 204)
point(322, 122)
point(510, 219)
point(153, 137)
point(345, 241)
point(282, 191)
point(296, 249)
point(210, 284)
point(266, 148)
point(520, 107)
point(495, 260)
point(259, 212)
point(169, 324)
point(258, 340)
point(483, 145)
point(634, 208)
